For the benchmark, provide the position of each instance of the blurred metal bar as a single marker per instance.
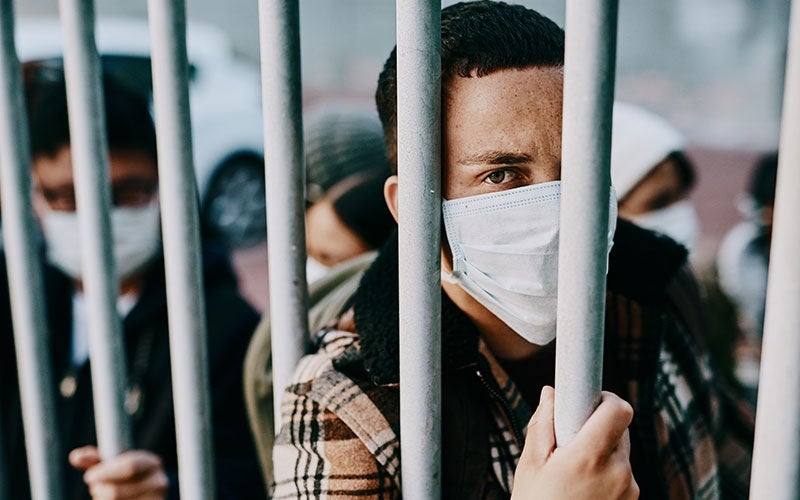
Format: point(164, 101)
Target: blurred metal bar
point(590, 54)
point(182, 257)
point(93, 198)
point(776, 460)
point(25, 278)
point(419, 171)
point(281, 86)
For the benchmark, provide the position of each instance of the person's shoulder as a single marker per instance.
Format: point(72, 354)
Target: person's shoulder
point(333, 378)
point(321, 374)
point(643, 263)
point(351, 410)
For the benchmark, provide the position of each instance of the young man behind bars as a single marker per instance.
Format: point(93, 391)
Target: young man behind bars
point(502, 77)
point(150, 470)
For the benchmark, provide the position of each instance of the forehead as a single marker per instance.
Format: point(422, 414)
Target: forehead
point(534, 87)
point(503, 107)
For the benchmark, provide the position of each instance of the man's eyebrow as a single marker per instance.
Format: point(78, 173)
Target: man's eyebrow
point(496, 158)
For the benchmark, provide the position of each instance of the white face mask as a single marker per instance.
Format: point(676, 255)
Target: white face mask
point(505, 254)
point(678, 221)
point(136, 239)
point(315, 269)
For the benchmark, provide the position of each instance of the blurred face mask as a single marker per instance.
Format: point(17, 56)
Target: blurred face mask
point(505, 254)
point(315, 269)
point(136, 239)
point(678, 221)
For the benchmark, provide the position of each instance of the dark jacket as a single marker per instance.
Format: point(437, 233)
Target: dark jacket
point(230, 321)
point(340, 433)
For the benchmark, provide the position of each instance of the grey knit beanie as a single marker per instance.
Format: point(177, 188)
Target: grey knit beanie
point(341, 141)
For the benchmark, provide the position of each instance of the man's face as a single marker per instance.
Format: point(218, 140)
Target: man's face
point(662, 187)
point(328, 239)
point(501, 131)
point(134, 180)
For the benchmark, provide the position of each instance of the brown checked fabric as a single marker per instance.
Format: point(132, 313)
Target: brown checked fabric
point(340, 437)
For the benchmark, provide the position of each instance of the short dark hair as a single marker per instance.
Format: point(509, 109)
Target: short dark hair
point(358, 202)
point(477, 38)
point(764, 179)
point(129, 126)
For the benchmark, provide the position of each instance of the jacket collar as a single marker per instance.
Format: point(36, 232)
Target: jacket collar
point(151, 302)
point(375, 306)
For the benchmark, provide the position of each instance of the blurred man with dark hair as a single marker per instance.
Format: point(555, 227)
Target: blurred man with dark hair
point(502, 91)
point(150, 470)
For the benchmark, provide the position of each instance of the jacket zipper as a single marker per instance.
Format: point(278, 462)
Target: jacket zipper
point(512, 418)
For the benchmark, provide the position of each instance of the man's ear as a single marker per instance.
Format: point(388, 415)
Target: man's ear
point(39, 204)
point(390, 194)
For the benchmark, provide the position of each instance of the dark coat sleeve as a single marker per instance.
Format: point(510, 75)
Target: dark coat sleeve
point(231, 323)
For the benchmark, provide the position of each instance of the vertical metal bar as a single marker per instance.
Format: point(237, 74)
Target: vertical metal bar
point(776, 460)
point(182, 257)
point(419, 172)
point(93, 197)
point(25, 275)
point(590, 53)
point(279, 26)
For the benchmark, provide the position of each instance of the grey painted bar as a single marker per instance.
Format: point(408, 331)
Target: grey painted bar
point(590, 55)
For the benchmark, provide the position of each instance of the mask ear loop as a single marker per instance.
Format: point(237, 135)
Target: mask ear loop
point(449, 278)
point(749, 208)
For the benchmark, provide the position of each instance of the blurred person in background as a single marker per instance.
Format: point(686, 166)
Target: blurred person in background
point(742, 265)
point(654, 178)
point(340, 141)
point(349, 220)
point(150, 469)
point(652, 175)
point(346, 221)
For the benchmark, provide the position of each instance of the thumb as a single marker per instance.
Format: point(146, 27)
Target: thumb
point(540, 440)
point(84, 458)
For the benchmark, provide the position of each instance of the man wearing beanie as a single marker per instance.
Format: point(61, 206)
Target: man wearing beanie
point(651, 174)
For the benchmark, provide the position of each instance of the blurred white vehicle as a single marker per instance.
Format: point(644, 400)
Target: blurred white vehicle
point(225, 102)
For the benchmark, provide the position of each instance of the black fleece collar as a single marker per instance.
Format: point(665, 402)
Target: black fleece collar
point(642, 264)
point(376, 316)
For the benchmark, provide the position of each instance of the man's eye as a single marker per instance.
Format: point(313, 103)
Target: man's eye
point(499, 176)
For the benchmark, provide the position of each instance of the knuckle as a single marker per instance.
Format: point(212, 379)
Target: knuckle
point(623, 477)
point(589, 462)
point(625, 409)
point(634, 490)
point(161, 482)
point(128, 469)
point(112, 493)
